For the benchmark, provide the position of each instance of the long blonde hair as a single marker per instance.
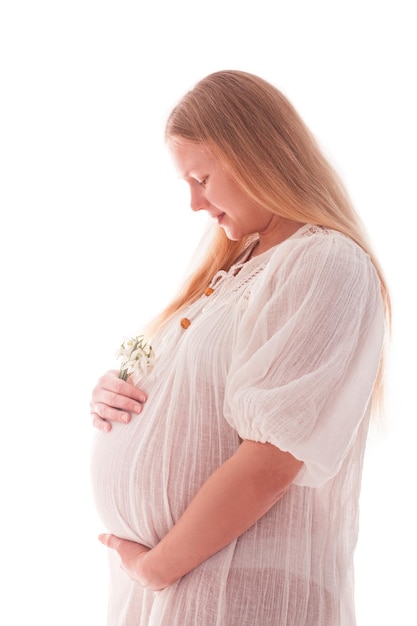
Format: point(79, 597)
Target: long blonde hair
point(255, 132)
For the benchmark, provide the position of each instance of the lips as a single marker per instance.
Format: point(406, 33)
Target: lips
point(217, 217)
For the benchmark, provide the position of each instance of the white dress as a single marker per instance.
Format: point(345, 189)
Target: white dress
point(285, 351)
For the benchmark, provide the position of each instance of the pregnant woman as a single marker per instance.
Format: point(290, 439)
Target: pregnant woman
point(228, 477)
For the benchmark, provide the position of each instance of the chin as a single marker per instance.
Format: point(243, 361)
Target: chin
point(232, 235)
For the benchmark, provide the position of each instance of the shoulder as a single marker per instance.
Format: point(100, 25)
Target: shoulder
point(318, 265)
point(318, 251)
point(317, 241)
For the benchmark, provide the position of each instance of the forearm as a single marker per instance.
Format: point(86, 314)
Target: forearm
point(235, 496)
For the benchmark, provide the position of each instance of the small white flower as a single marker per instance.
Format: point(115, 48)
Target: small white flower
point(137, 357)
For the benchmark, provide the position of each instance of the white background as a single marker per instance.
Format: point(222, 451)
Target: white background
point(96, 232)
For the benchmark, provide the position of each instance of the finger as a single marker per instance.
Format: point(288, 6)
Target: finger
point(125, 548)
point(127, 388)
point(112, 414)
point(114, 400)
point(129, 553)
point(111, 382)
point(111, 541)
point(101, 424)
point(102, 416)
point(102, 397)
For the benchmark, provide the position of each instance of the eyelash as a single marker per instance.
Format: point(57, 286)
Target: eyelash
point(203, 181)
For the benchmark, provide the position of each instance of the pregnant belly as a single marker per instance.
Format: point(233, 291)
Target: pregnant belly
point(145, 473)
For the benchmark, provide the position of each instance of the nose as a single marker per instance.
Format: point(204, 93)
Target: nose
point(197, 199)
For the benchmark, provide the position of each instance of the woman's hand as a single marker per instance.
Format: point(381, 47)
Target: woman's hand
point(133, 560)
point(113, 399)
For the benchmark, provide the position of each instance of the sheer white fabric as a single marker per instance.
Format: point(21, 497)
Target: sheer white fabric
point(284, 351)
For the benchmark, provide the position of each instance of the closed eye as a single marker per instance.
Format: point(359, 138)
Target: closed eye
point(202, 181)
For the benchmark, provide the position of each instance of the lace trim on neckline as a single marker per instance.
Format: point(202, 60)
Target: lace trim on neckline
point(258, 263)
point(312, 229)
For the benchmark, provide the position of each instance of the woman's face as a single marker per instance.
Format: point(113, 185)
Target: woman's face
point(213, 190)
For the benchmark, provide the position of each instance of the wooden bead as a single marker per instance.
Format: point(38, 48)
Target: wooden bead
point(209, 291)
point(185, 323)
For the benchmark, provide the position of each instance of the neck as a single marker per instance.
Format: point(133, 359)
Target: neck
point(277, 231)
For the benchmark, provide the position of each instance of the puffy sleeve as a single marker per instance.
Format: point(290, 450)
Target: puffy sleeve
point(307, 353)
